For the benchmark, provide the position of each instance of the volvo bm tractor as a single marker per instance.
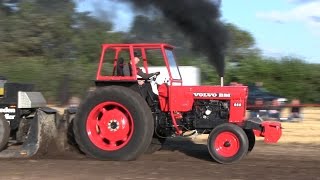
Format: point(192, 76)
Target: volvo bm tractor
point(126, 115)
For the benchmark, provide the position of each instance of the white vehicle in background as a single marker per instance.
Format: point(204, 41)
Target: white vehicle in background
point(191, 76)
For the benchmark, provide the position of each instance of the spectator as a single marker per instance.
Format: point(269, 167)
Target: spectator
point(258, 110)
point(295, 110)
point(274, 111)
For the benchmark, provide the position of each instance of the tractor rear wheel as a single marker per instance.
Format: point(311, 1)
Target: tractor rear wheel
point(156, 144)
point(113, 123)
point(227, 143)
point(4, 132)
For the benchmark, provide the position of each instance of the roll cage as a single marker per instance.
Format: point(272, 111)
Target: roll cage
point(111, 61)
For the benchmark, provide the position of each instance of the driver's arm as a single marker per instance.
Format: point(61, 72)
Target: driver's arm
point(144, 76)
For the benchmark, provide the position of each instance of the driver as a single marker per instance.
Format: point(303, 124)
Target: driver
point(144, 88)
point(140, 73)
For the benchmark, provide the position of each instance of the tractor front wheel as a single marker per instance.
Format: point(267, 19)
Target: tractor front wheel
point(113, 123)
point(227, 143)
point(251, 139)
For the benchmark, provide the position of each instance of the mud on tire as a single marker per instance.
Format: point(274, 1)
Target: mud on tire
point(113, 123)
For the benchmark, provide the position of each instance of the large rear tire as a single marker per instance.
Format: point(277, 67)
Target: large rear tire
point(113, 123)
point(227, 143)
point(4, 132)
point(156, 145)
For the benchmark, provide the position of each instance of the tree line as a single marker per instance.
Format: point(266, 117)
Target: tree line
point(50, 44)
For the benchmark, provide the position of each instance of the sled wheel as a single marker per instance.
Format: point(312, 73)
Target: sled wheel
point(227, 143)
point(156, 145)
point(113, 123)
point(251, 139)
point(4, 132)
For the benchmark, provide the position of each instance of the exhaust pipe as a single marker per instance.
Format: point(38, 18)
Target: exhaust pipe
point(221, 81)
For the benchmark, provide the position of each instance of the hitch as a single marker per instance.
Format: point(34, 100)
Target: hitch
point(270, 130)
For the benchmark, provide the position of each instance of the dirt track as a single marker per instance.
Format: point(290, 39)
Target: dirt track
point(178, 160)
point(296, 156)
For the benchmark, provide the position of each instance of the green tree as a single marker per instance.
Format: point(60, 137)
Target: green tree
point(43, 41)
point(289, 76)
point(49, 44)
point(241, 43)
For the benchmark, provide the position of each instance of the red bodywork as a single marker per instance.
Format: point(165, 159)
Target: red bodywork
point(177, 99)
point(271, 131)
point(181, 98)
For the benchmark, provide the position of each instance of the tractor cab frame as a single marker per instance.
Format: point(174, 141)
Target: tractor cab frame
point(165, 50)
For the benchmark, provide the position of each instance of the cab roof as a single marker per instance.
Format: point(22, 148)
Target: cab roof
point(140, 45)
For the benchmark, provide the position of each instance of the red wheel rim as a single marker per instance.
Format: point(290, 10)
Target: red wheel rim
point(109, 126)
point(227, 144)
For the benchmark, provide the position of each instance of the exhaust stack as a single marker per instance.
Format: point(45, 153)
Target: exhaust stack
point(221, 80)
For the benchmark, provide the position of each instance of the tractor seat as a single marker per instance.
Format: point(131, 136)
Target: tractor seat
point(123, 69)
point(120, 63)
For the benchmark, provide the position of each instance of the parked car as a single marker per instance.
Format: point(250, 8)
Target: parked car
point(256, 92)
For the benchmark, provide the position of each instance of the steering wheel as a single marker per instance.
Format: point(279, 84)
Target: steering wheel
point(154, 75)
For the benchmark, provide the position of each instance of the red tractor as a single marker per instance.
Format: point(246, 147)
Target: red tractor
point(119, 120)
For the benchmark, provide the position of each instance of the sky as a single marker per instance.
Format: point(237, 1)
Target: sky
point(280, 27)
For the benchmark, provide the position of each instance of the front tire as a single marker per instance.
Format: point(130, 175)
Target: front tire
point(251, 139)
point(227, 143)
point(113, 123)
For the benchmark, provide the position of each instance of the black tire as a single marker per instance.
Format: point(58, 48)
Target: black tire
point(70, 134)
point(155, 145)
point(4, 132)
point(124, 99)
point(231, 142)
point(251, 139)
